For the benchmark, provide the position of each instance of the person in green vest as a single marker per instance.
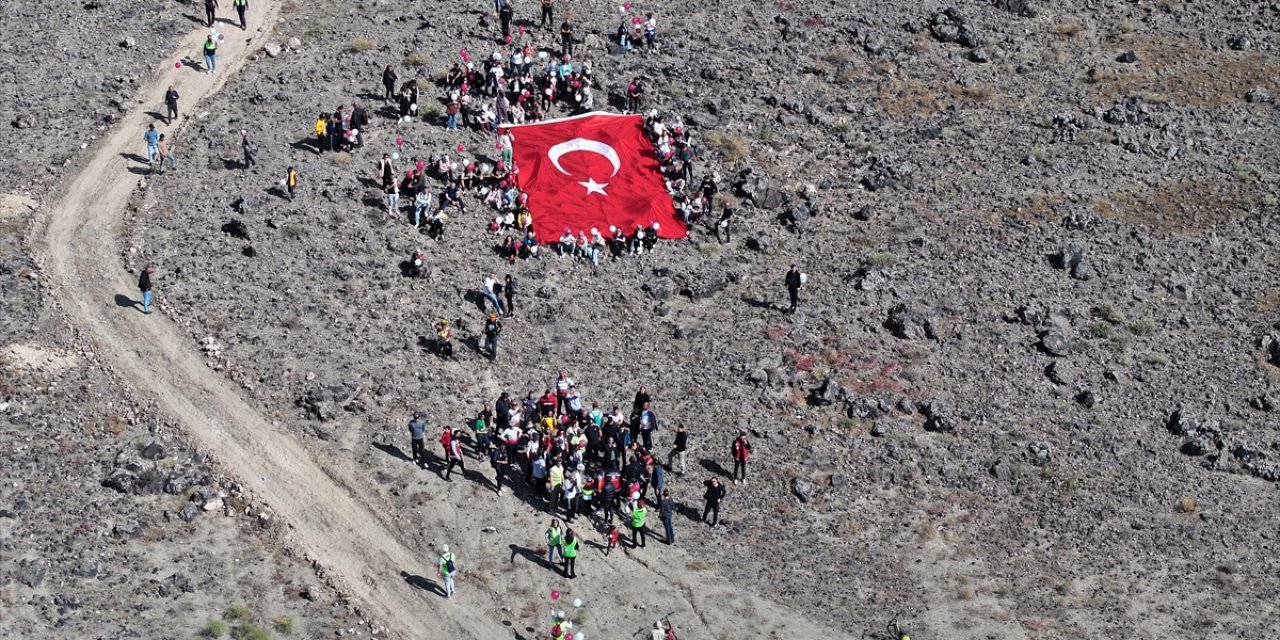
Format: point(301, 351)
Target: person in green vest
point(447, 569)
point(210, 54)
point(570, 552)
point(241, 7)
point(638, 515)
point(555, 538)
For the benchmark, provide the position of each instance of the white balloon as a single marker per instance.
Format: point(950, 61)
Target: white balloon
point(212, 31)
point(355, 132)
point(414, 107)
point(578, 636)
point(408, 119)
point(395, 156)
point(577, 603)
point(282, 182)
point(453, 166)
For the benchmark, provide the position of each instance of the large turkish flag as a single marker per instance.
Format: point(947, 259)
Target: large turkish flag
point(593, 170)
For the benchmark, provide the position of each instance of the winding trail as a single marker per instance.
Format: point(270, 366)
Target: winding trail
point(337, 518)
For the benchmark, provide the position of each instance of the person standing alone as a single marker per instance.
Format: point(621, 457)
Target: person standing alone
point(152, 138)
point(492, 329)
point(171, 105)
point(144, 285)
point(447, 569)
point(241, 7)
point(417, 436)
point(211, 11)
point(741, 451)
point(794, 282)
point(250, 150)
point(711, 498)
point(210, 54)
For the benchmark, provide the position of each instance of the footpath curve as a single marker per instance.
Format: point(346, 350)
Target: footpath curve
point(349, 541)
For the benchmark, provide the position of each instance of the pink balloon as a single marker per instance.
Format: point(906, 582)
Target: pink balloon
point(177, 65)
point(466, 57)
point(461, 147)
point(520, 29)
point(506, 39)
point(627, 6)
point(221, 37)
point(555, 595)
point(399, 141)
point(498, 146)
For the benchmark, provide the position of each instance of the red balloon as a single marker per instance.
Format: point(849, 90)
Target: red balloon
point(399, 141)
point(555, 595)
point(460, 149)
point(177, 65)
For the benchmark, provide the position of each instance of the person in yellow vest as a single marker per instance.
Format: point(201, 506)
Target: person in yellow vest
point(322, 133)
point(210, 55)
point(554, 536)
point(638, 515)
point(241, 7)
point(570, 553)
point(291, 182)
point(555, 478)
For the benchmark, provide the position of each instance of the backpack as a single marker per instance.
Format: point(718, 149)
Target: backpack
point(448, 566)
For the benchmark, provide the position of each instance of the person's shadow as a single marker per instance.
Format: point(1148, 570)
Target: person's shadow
point(389, 449)
point(530, 555)
point(127, 302)
point(426, 584)
point(714, 467)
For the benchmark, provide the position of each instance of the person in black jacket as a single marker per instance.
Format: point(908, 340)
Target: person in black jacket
point(793, 288)
point(171, 105)
point(359, 120)
point(714, 494)
point(509, 291)
point(144, 285)
point(389, 78)
point(679, 450)
point(492, 329)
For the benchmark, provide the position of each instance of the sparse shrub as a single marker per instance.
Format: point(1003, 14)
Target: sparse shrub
point(237, 612)
point(341, 158)
point(763, 133)
point(59, 159)
point(1243, 171)
point(215, 629)
point(1110, 313)
point(965, 594)
point(882, 259)
point(286, 624)
point(417, 59)
point(1188, 505)
point(1068, 29)
point(249, 631)
point(1144, 326)
point(731, 148)
point(1101, 330)
point(362, 44)
point(697, 565)
point(1156, 359)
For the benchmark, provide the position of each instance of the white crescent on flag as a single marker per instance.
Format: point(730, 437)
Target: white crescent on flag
point(583, 144)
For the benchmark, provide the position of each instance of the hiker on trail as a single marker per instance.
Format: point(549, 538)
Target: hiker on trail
point(386, 170)
point(333, 129)
point(562, 385)
point(492, 329)
point(638, 514)
point(389, 78)
point(667, 508)
point(392, 191)
point(611, 539)
point(250, 150)
point(359, 120)
point(555, 480)
point(794, 282)
point(498, 460)
point(488, 289)
point(741, 451)
point(291, 182)
point(152, 138)
point(210, 52)
point(647, 424)
point(712, 497)
point(446, 439)
point(211, 11)
point(448, 567)
point(635, 94)
point(144, 285)
point(171, 105)
point(163, 152)
point(509, 291)
point(548, 13)
point(679, 450)
point(725, 224)
point(417, 433)
point(504, 17)
point(455, 454)
point(554, 536)
point(241, 7)
point(657, 478)
point(570, 553)
point(424, 203)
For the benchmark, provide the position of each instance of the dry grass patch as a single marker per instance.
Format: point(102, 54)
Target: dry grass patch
point(417, 59)
point(1186, 206)
point(1068, 29)
point(362, 44)
point(732, 148)
point(1182, 72)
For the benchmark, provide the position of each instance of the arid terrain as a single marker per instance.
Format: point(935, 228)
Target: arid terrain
point(1030, 391)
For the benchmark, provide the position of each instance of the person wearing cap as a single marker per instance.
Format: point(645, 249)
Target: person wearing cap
point(638, 515)
point(492, 329)
point(417, 434)
point(448, 567)
point(144, 285)
point(794, 283)
point(741, 451)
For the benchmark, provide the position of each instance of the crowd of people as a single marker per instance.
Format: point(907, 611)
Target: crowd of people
point(580, 462)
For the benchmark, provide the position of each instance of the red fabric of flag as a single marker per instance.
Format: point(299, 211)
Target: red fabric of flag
point(592, 171)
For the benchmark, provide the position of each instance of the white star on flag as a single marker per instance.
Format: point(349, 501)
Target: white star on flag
point(594, 187)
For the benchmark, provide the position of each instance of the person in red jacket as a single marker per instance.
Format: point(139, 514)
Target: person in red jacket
point(741, 451)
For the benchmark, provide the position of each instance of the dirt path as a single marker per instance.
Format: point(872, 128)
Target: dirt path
point(334, 514)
